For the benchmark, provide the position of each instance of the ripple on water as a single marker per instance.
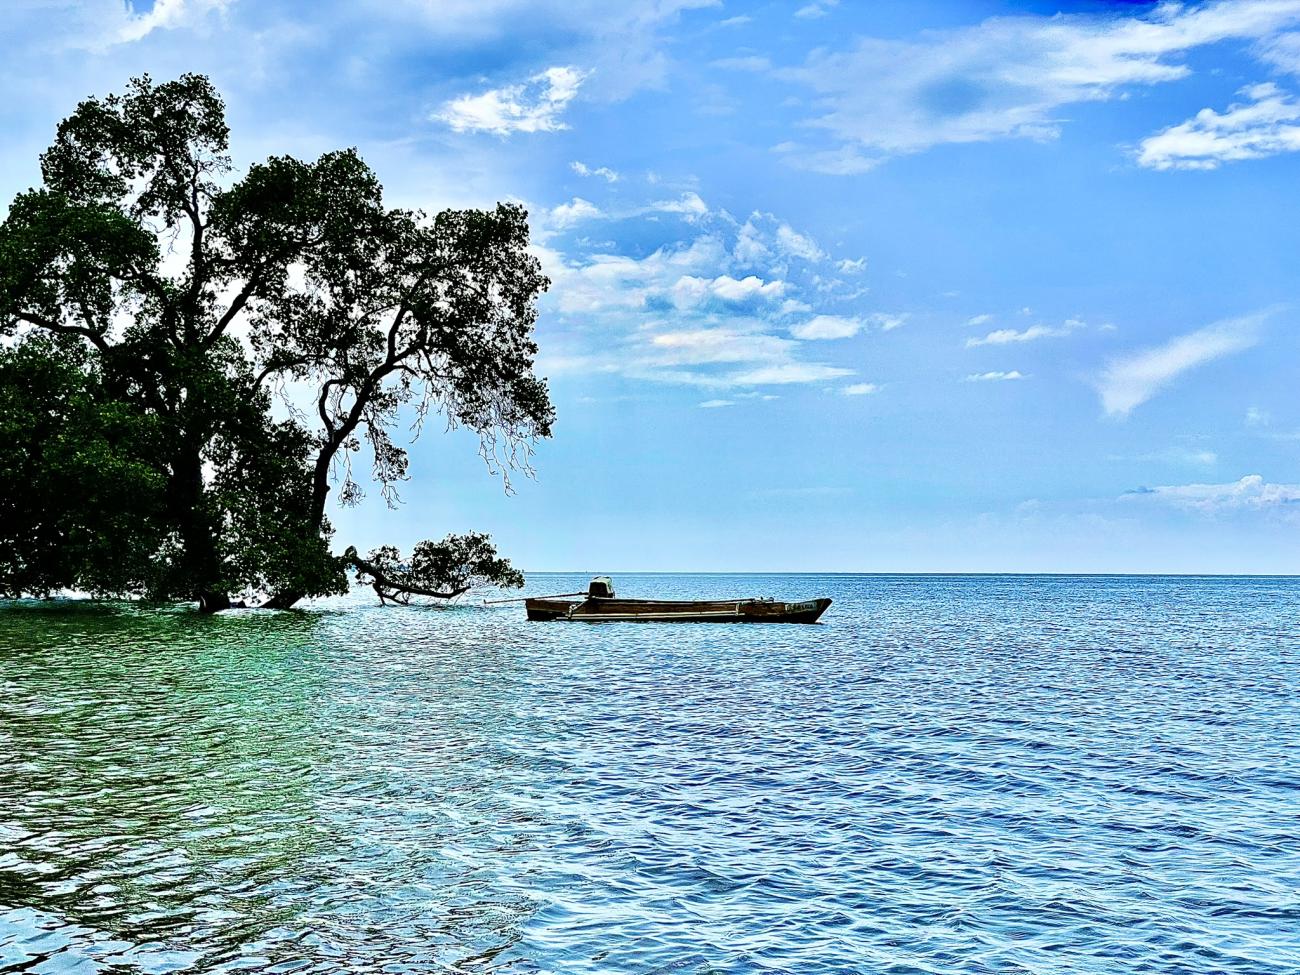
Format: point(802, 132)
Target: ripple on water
point(952, 774)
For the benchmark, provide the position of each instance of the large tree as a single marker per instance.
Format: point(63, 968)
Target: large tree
point(152, 307)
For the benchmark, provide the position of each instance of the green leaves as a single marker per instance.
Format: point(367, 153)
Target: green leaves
point(153, 152)
point(127, 379)
point(442, 570)
point(81, 481)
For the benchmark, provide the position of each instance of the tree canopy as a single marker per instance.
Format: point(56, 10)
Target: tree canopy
point(190, 359)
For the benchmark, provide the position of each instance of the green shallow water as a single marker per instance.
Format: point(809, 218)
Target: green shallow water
point(951, 774)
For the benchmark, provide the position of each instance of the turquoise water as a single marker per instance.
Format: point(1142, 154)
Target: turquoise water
point(983, 774)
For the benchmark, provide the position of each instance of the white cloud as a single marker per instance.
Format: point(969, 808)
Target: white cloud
point(1007, 77)
point(715, 404)
point(816, 9)
point(168, 15)
point(1255, 417)
point(1006, 336)
point(790, 372)
point(535, 106)
point(710, 346)
point(688, 204)
point(794, 244)
point(851, 267)
point(691, 290)
point(730, 289)
point(887, 323)
point(692, 312)
point(604, 172)
point(575, 211)
point(994, 377)
point(1266, 125)
point(827, 327)
point(1251, 492)
point(979, 320)
point(860, 389)
point(1130, 381)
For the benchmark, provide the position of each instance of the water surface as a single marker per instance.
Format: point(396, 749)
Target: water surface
point(975, 774)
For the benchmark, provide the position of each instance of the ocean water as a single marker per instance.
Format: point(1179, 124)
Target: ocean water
point(974, 774)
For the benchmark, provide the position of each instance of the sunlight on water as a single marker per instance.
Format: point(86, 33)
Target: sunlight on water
point(950, 774)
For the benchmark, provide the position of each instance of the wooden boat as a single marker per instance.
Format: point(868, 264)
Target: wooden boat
point(602, 606)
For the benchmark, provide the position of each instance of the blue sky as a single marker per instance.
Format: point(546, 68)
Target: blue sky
point(917, 286)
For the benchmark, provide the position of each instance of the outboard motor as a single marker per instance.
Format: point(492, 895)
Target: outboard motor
point(602, 587)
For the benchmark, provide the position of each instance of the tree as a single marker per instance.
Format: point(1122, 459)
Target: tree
point(156, 309)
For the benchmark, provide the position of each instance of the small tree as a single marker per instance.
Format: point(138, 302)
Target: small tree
point(140, 454)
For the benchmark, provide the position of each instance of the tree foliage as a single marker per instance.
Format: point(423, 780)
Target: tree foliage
point(194, 358)
point(443, 570)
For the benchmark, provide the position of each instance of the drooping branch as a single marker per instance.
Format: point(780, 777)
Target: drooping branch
point(388, 588)
point(439, 570)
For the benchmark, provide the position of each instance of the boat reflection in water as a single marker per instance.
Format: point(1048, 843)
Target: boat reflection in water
point(601, 605)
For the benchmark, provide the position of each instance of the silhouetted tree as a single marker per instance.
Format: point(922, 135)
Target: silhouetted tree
point(151, 304)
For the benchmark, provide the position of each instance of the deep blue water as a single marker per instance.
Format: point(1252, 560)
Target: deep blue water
point(975, 774)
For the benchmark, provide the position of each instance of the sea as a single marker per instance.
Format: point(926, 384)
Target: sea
point(948, 774)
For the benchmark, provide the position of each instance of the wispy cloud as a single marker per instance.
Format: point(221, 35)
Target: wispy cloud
point(604, 172)
point(1007, 336)
point(994, 377)
point(788, 372)
point(1267, 124)
point(1007, 77)
point(1251, 492)
point(716, 404)
point(816, 9)
point(978, 320)
point(861, 389)
point(827, 327)
point(534, 106)
point(887, 322)
point(1130, 381)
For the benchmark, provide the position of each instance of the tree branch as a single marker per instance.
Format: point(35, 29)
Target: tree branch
point(236, 306)
point(60, 329)
point(389, 585)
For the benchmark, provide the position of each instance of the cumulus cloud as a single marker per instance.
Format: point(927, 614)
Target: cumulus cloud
point(575, 211)
point(794, 244)
point(1007, 336)
point(827, 327)
point(534, 106)
point(691, 290)
point(1266, 124)
point(1251, 492)
point(688, 204)
point(684, 313)
point(994, 377)
point(1007, 77)
point(1130, 381)
point(166, 15)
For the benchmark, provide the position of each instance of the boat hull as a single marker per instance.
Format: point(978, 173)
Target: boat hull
point(600, 610)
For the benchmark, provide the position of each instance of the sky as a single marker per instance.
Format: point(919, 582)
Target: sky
point(836, 286)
